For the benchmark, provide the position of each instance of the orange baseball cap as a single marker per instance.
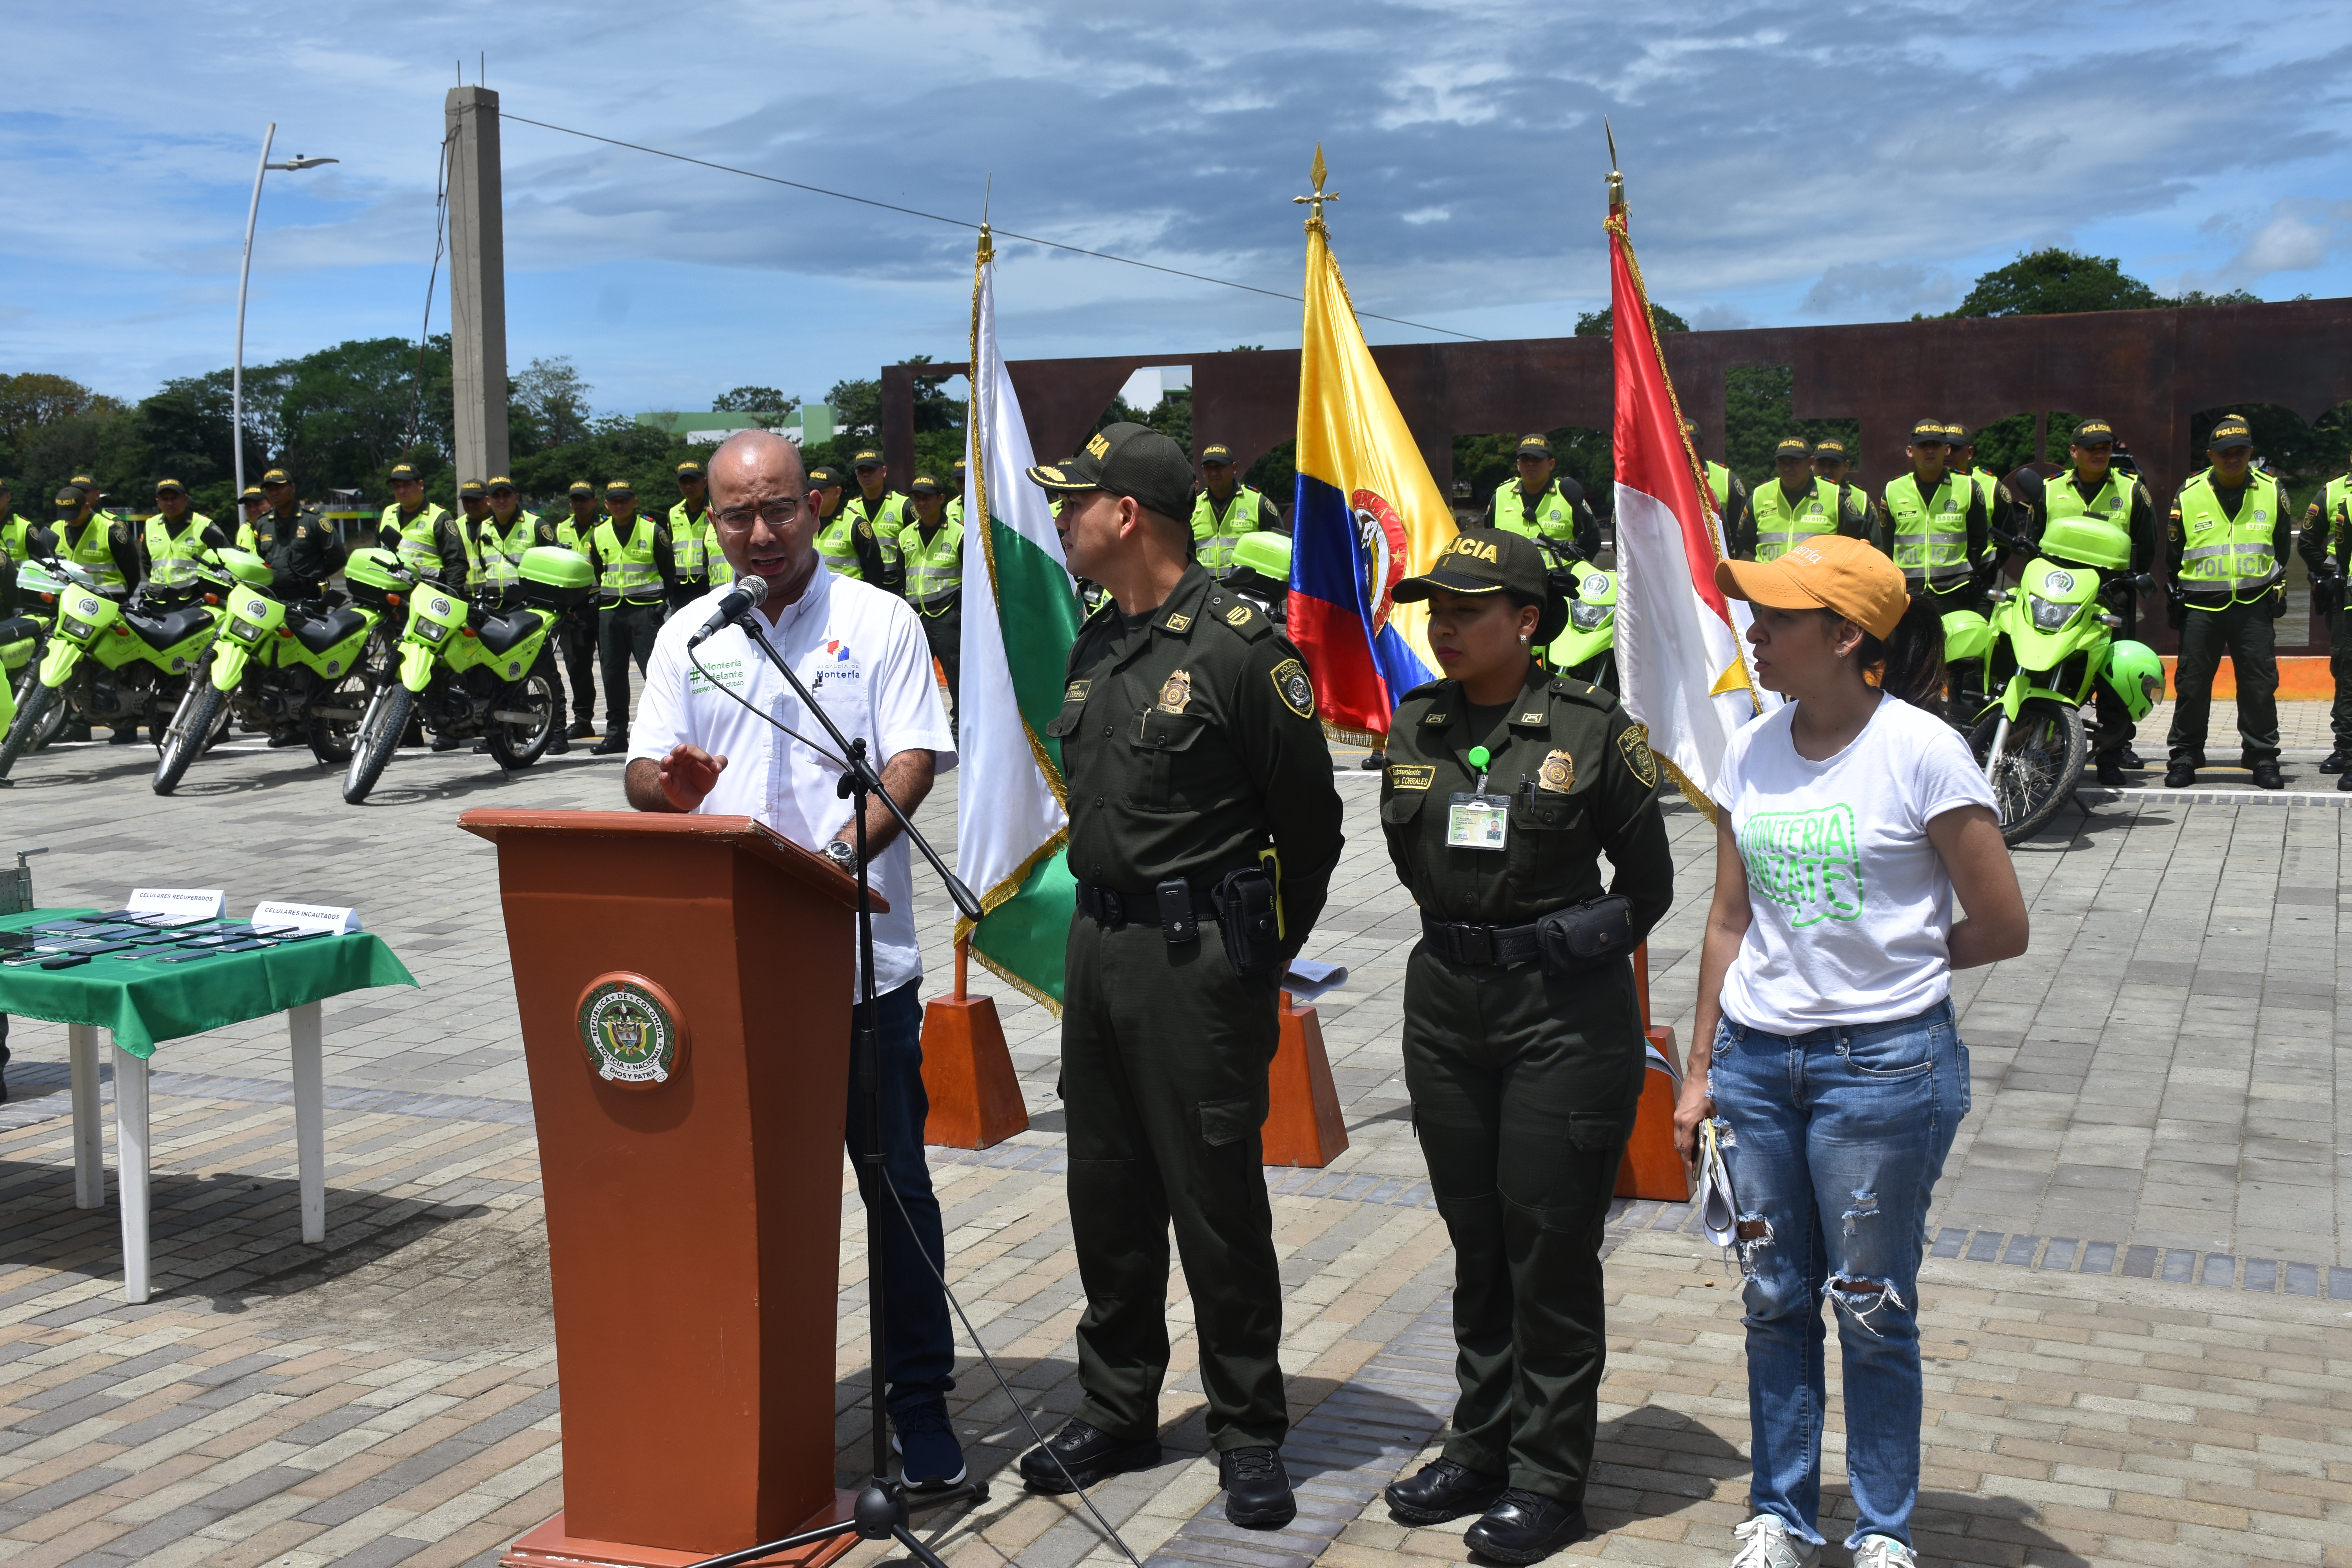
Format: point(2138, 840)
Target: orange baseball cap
point(1827, 572)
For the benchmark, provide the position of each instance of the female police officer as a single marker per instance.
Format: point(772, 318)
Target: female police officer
point(1523, 1045)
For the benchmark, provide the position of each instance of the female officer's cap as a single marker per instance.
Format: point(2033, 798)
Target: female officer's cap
point(1824, 571)
point(1491, 561)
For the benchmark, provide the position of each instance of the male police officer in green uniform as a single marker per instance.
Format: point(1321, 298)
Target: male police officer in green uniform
point(882, 509)
point(1192, 760)
point(2225, 553)
point(2321, 546)
point(1223, 511)
point(693, 538)
point(174, 544)
point(304, 552)
point(431, 544)
point(16, 537)
point(633, 573)
point(1541, 506)
point(843, 536)
point(930, 549)
point(576, 633)
point(1505, 786)
point(2096, 489)
point(1799, 502)
point(1834, 463)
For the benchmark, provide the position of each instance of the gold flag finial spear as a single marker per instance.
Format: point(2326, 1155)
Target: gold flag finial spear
point(1616, 180)
point(1314, 204)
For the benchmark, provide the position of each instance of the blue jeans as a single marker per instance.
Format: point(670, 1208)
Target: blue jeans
point(918, 1345)
point(1834, 1139)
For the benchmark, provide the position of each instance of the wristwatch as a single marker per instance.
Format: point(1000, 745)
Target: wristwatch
point(838, 851)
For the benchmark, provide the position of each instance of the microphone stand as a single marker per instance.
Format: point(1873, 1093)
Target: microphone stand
point(883, 1506)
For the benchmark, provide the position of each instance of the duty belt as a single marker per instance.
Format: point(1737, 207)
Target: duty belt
point(1465, 943)
point(1113, 908)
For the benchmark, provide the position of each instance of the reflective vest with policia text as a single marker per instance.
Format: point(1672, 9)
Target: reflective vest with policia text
point(2061, 502)
point(1213, 541)
point(92, 552)
point(2224, 557)
point(1930, 533)
point(837, 540)
point(889, 515)
point(420, 551)
point(1553, 519)
point(1780, 522)
point(2335, 515)
point(172, 558)
point(501, 550)
point(694, 548)
point(630, 575)
point(934, 566)
point(1718, 481)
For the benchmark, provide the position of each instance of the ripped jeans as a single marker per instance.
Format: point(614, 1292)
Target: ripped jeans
point(1834, 1141)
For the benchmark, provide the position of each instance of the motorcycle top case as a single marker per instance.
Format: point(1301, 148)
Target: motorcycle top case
point(246, 567)
point(554, 578)
point(2087, 542)
point(1265, 554)
point(373, 577)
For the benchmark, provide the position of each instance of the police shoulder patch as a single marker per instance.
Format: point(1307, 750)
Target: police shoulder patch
point(1298, 692)
point(1238, 615)
point(1634, 745)
point(865, 528)
point(1077, 690)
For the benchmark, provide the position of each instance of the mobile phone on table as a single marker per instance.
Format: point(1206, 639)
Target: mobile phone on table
point(65, 961)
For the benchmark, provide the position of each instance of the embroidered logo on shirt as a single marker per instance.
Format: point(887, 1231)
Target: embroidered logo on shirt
point(1078, 691)
point(1298, 692)
point(1806, 861)
point(1238, 615)
point(1178, 623)
point(1634, 745)
point(1176, 692)
point(1409, 776)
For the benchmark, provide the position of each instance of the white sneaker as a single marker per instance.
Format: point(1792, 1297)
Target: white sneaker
point(1770, 1545)
point(1882, 1552)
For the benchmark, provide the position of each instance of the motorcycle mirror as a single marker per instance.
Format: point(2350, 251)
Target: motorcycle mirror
point(213, 536)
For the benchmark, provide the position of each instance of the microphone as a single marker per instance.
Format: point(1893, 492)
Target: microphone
point(747, 593)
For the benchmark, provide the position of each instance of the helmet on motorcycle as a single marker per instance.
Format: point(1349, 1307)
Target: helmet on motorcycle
point(2135, 674)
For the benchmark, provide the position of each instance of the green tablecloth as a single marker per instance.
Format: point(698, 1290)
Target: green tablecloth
point(144, 1002)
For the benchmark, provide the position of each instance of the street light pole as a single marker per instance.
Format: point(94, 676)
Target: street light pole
point(245, 276)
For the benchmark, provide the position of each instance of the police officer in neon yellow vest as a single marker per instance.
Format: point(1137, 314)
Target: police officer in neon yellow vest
point(1223, 510)
point(2322, 545)
point(1725, 489)
point(1936, 524)
point(931, 548)
point(438, 548)
point(2094, 489)
point(1797, 503)
point(634, 572)
point(15, 536)
point(1833, 462)
point(2225, 553)
point(1541, 506)
point(175, 545)
point(2001, 511)
point(253, 516)
point(489, 569)
point(576, 633)
point(694, 539)
point(506, 535)
point(883, 509)
point(844, 538)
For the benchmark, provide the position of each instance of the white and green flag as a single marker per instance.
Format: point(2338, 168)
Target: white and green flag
point(1020, 616)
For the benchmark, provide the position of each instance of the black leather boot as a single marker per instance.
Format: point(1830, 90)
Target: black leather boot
point(1257, 1488)
point(1079, 1456)
point(1525, 1527)
point(1441, 1490)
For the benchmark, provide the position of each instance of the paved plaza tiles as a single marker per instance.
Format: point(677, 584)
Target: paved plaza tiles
point(2138, 1308)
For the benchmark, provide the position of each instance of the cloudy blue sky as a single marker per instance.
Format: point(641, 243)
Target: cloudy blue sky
point(1787, 165)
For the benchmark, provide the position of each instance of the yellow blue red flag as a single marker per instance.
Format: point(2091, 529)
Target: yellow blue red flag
point(1368, 514)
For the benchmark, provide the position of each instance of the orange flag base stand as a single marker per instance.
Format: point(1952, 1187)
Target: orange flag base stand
point(1303, 1124)
point(968, 1072)
point(1652, 1168)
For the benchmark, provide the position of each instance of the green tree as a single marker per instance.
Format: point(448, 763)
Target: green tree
point(1597, 324)
point(2054, 281)
point(547, 406)
point(767, 403)
point(1758, 413)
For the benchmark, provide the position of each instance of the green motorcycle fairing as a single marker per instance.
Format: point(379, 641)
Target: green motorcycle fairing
point(437, 631)
point(2049, 619)
point(1592, 630)
point(1966, 635)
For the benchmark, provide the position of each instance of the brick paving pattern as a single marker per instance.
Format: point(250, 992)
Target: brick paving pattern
point(2135, 1300)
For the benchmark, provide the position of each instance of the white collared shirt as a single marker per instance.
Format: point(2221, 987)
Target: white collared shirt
point(861, 652)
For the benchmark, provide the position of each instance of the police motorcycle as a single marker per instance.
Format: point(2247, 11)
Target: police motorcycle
point(1261, 573)
point(117, 660)
point(20, 648)
point(1587, 646)
point(2052, 645)
point(463, 667)
point(276, 665)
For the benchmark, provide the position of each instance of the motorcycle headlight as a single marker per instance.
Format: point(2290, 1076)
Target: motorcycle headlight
point(431, 631)
point(1586, 617)
point(80, 631)
point(242, 630)
point(2052, 615)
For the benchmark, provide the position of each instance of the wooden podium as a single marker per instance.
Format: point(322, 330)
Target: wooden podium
point(685, 990)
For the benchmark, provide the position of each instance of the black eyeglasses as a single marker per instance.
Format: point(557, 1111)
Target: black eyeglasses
point(775, 515)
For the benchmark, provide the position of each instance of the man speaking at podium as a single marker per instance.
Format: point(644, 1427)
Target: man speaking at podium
point(697, 748)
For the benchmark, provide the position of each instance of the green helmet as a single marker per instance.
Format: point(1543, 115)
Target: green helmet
point(2135, 674)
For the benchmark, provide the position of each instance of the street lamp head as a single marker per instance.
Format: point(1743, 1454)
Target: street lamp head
point(300, 162)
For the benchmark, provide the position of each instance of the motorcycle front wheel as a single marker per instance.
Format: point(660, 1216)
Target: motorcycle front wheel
point(2040, 758)
point(32, 710)
point(190, 733)
point(517, 744)
point(53, 717)
point(379, 734)
point(334, 720)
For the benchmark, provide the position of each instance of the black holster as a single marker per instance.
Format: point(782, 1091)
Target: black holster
point(1587, 936)
point(1246, 918)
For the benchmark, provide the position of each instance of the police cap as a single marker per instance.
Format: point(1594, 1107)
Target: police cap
point(619, 487)
point(472, 490)
point(402, 473)
point(500, 483)
point(958, 468)
point(689, 470)
point(2093, 433)
point(824, 476)
point(868, 458)
point(924, 485)
point(1793, 447)
point(1127, 460)
point(277, 476)
point(1833, 450)
point(1957, 436)
point(1217, 456)
point(1492, 560)
point(1534, 447)
point(251, 496)
point(2232, 431)
point(580, 487)
point(170, 487)
point(69, 500)
point(84, 483)
point(1930, 432)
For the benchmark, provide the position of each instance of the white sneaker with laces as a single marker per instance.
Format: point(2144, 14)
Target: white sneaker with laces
point(1882, 1552)
point(1770, 1545)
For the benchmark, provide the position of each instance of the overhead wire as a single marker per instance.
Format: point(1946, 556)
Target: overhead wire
point(966, 223)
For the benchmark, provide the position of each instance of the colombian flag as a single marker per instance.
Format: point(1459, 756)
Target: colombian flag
point(1368, 514)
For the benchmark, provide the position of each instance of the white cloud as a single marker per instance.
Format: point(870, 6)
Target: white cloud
point(1879, 290)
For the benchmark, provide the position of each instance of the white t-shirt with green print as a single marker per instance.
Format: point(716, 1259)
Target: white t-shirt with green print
point(1853, 907)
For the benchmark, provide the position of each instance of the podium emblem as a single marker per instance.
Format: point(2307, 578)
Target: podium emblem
point(631, 1031)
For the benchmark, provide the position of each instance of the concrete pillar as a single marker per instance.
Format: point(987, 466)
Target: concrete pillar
point(477, 282)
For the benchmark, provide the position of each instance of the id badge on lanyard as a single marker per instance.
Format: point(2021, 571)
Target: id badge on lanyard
point(1477, 820)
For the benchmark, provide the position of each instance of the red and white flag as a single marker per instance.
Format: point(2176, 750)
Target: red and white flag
point(1682, 651)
